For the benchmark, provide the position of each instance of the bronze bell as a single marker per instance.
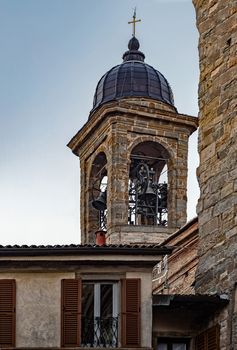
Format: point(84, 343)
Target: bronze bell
point(149, 193)
point(100, 202)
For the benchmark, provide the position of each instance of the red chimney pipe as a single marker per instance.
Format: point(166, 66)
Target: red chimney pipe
point(100, 238)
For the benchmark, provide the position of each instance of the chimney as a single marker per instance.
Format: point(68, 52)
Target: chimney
point(100, 238)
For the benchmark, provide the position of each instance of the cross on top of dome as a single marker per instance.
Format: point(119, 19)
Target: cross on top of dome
point(133, 53)
point(134, 21)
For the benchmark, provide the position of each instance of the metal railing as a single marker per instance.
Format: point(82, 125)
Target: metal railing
point(99, 332)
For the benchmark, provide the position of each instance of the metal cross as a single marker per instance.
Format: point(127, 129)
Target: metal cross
point(134, 21)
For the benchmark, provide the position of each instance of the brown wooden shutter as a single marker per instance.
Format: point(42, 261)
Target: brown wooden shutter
point(131, 318)
point(200, 342)
point(209, 339)
point(213, 336)
point(71, 312)
point(7, 312)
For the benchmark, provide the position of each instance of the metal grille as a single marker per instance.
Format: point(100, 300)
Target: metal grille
point(100, 332)
point(147, 197)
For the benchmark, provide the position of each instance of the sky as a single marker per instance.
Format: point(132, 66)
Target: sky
point(53, 52)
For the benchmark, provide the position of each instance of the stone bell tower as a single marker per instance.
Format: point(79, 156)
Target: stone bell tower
point(133, 156)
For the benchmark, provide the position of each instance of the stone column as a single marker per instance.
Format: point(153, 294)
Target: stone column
point(182, 175)
point(83, 208)
point(118, 169)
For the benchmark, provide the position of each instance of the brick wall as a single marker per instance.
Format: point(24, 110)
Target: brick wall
point(179, 276)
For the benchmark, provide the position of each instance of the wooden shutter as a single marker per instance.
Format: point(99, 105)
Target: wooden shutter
point(200, 342)
point(209, 339)
point(213, 337)
point(131, 318)
point(7, 312)
point(71, 312)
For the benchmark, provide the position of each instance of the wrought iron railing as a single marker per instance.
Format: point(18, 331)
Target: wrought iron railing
point(100, 332)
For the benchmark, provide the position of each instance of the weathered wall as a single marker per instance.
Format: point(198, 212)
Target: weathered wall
point(38, 311)
point(38, 302)
point(176, 323)
point(217, 173)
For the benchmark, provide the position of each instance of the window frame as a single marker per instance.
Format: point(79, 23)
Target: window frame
point(97, 283)
point(169, 341)
point(129, 310)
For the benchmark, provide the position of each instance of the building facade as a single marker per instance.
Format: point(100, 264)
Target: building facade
point(54, 297)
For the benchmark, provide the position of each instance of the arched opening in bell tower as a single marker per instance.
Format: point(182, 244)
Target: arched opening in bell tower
point(98, 194)
point(148, 185)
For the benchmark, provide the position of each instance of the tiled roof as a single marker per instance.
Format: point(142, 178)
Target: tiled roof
point(145, 249)
point(181, 229)
point(80, 246)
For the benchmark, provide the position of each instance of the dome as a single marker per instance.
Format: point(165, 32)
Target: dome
point(132, 78)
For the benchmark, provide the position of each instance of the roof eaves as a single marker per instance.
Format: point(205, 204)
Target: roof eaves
point(167, 299)
point(83, 250)
point(181, 230)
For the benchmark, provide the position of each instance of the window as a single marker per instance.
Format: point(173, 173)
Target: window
point(172, 344)
point(99, 314)
point(91, 315)
point(147, 185)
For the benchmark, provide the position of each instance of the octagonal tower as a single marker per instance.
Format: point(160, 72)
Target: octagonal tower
point(133, 156)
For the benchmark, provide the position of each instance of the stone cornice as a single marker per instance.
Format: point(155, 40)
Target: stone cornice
point(126, 109)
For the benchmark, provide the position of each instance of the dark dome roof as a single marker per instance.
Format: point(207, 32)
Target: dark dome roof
point(132, 78)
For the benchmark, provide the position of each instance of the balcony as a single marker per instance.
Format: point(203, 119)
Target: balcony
point(99, 332)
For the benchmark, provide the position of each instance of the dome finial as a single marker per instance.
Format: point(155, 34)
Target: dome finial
point(133, 45)
point(134, 21)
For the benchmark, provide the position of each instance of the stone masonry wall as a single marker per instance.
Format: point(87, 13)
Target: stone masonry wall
point(217, 172)
point(115, 130)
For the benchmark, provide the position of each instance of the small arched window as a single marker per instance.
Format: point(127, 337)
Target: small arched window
point(98, 191)
point(148, 185)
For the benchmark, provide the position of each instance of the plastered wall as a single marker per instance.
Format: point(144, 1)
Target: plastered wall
point(38, 304)
point(146, 306)
point(38, 308)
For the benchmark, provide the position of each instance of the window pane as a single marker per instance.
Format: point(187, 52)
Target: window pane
point(87, 327)
point(88, 300)
point(162, 346)
point(106, 300)
point(180, 346)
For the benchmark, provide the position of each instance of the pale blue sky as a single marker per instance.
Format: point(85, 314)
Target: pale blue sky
point(53, 52)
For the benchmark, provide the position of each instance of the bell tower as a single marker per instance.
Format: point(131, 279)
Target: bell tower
point(133, 156)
